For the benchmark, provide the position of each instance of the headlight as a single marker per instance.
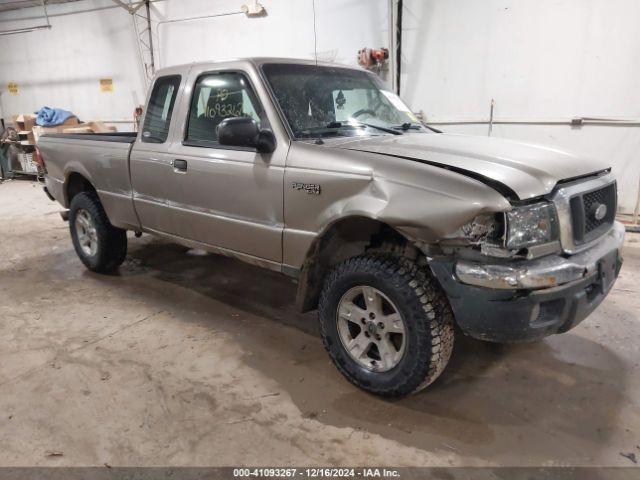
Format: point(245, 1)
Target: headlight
point(507, 234)
point(531, 225)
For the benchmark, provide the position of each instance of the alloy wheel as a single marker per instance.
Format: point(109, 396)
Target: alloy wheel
point(371, 328)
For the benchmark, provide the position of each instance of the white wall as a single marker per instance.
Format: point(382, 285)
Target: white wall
point(543, 59)
point(62, 67)
point(343, 27)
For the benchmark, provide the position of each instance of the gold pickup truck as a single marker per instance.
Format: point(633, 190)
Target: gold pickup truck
point(395, 231)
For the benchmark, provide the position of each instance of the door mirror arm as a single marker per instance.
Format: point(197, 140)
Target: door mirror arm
point(266, 141)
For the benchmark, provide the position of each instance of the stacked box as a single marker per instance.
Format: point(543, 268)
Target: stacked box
point(24, 123)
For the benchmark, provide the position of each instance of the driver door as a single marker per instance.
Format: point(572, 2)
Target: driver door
point(230, 197)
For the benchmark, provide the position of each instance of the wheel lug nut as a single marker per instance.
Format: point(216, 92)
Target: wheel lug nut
point(372, 315)
point(378, 337)
point(363, 320)
point(366, 334)
point(380, 325)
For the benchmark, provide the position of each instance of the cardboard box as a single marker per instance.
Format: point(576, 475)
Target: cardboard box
point(99, 127)
point(71, 127)
point(81, 128)
point(38, 131)
point(89, 127)
point(70, 121)
point(26, 137)
point(24, 122)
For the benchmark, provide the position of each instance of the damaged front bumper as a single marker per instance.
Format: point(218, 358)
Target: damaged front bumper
point(531, 299)
point(546, 272)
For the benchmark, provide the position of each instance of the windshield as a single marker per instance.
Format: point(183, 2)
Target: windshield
point(320, 101)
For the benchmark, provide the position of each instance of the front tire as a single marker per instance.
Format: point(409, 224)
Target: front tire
point(386, 324)
point(100, 246)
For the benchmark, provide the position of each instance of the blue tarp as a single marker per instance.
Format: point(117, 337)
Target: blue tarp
point(50, 117)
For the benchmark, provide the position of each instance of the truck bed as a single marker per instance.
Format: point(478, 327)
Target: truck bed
point(102, 159)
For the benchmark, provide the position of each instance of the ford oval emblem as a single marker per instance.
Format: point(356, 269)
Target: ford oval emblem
point(600, 212)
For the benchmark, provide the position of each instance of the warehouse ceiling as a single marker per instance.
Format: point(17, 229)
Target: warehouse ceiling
point(7, 5)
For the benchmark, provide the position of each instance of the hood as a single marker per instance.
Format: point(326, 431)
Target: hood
point(515, 169)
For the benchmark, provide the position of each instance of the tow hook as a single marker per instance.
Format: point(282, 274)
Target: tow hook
point(64, 214)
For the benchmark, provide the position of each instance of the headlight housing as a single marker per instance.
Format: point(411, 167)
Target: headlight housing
point(510, 233)
point(530, 225)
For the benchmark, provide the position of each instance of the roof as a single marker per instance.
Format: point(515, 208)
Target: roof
point(257, 61)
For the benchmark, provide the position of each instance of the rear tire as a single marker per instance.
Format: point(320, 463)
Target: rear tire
point(100, 246)
point(392, 359)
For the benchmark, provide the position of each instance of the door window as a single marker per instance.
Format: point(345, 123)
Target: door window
point(216, 97)
point(158, 117)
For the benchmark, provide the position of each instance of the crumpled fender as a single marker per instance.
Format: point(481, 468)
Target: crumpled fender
point(422, 201)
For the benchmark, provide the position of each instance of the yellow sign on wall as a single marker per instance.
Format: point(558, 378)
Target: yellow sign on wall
point(13, 88)
point(106, 85)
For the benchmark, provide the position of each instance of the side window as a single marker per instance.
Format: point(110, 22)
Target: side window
point(158, 117)
point(216, 97)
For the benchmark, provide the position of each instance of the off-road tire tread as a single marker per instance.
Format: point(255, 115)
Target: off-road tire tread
point(428, 304)
point(112, 241)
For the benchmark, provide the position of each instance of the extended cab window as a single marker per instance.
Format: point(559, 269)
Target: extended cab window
point(158, 117)
point(216, 97)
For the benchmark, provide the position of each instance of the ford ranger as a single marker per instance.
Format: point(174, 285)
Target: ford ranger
point(399, 235)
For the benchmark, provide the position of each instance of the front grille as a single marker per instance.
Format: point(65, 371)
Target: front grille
point(592, 213)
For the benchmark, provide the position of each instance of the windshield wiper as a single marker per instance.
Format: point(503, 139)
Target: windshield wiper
point(362, 124)
point(416, 126)
point(432, 128)
point(407, 126)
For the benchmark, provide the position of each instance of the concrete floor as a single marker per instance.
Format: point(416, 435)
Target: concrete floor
point(186, 359)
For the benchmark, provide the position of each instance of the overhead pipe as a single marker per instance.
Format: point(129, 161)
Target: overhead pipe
point(25, 30)
point(31, 29)
point(573, 122)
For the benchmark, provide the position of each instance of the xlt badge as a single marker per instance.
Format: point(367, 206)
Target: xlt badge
point(310, 188)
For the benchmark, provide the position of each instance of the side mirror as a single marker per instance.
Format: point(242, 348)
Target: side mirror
point(244, 132)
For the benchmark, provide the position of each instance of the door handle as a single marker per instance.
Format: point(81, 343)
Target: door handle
point(180, 165)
